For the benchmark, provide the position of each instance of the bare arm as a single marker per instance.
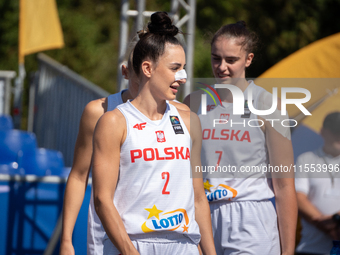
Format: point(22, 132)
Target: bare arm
point(202, 210)
point(78, 177)
point(281, 153)
point(108, 137)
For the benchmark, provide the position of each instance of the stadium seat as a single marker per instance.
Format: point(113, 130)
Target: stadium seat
point(14, 144)
point(44, 162)
point(6, 122)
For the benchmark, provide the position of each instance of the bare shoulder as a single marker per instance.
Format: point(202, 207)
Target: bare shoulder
point(113, 119)
point(95, 109)
point(193, 100)
point(111, 128)
point(179, 105)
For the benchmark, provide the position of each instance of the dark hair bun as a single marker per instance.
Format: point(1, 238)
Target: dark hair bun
point(162, 24)
point(241, 23)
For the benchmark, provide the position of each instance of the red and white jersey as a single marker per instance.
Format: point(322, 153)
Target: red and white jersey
point(95, 230)
point(154, 192)
point(233, 148)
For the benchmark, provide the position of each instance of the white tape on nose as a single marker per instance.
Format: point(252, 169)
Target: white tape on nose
point(180, 75)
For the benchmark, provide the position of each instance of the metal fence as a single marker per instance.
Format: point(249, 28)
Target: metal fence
point(57, 99)
point(6, 91)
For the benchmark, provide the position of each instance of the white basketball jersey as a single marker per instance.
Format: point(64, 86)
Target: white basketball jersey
point(155, 191)
point(95, 230)
point(231, 145)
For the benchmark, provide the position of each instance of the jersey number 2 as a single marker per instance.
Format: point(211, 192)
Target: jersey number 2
point(165, 175)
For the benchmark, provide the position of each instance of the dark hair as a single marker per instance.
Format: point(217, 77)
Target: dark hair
point(159, 32)
point(332, 123)
point(238, 30)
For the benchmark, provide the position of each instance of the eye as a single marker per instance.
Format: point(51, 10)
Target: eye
point(231, 61)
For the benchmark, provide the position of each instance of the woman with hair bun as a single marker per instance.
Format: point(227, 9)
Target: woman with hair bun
point(243, 218)
point(143, 155)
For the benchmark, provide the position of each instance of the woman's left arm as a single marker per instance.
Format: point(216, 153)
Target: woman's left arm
point(280, 152)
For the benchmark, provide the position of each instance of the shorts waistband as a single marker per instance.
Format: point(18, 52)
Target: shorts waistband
point(160, 237)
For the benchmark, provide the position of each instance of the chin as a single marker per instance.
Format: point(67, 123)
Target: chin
point(223, 80)
point(170, 97)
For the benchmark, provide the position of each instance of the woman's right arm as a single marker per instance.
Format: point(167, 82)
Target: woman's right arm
point(108, 137)
point(78, 177)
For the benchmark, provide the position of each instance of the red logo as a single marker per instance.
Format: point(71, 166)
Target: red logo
point(140, 126)
point(160, 136)
point(210, 107)
point(224, 116)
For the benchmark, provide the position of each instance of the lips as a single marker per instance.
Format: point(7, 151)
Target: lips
point(174, 87)
point(223, 76)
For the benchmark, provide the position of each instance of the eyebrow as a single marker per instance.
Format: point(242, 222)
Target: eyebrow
point(214, 55)
point(178, 64)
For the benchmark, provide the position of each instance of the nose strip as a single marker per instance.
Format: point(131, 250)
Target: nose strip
point(180, 75)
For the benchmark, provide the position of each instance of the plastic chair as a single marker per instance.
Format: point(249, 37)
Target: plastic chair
point(44, 162)
point(14, 144)
point(6, 122)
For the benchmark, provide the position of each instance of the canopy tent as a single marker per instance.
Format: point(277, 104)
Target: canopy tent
point(318, 63)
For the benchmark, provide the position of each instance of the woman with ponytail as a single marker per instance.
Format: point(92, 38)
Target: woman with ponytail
point(143, 155)
point(244, 219)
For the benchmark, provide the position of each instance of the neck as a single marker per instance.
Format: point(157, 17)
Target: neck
point(227, 96)
point(126, 95)
point(149, 105)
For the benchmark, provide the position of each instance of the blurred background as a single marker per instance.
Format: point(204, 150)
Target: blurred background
point(299, 39)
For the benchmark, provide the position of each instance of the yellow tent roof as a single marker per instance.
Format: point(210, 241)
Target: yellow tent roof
point(320, 59)
point(319, 65)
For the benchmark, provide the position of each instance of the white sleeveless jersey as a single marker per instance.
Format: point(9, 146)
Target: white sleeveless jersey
point(231, 149)
point(155, 191)
point(95, 230)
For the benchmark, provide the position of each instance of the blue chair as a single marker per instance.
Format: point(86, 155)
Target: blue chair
point(14, 144)
point(43, 162)
point(6, 122)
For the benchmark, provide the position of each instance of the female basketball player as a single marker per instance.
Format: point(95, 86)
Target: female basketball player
point(143, 192)
point(244, 220)
point(78, 178)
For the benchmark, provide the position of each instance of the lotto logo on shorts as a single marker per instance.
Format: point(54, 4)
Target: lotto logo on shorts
point(221, 192)
point(159, 221)
point(160, 136)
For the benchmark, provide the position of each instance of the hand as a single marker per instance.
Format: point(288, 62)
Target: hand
point(328, 226)
point(66, 248)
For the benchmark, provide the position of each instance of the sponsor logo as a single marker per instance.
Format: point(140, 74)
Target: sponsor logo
point(210, 107)
point(151, 154)
point(159, 221)
point(140, 126)
point(176, 125)
point(222, 191)
point(160, 136)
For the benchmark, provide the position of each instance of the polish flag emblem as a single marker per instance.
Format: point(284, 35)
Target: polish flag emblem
point(224, 116)
point(160, 136)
